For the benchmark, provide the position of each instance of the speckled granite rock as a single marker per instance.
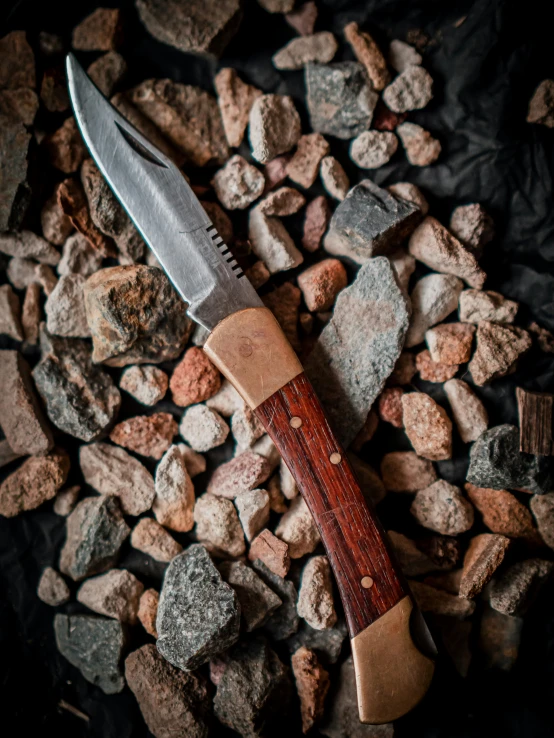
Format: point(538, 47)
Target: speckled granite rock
point(257, 600)
point(284, 621)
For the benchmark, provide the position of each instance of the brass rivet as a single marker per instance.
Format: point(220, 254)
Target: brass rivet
point(367, 582)
point(295, 422)
point(335, 458)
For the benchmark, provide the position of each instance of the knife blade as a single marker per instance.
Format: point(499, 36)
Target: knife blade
point(392, 650)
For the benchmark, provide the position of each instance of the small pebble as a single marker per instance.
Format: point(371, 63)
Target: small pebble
point(274, 126)
point(498, 350)
point(203, 428)
point(107, 72)
point(253, 509)
point(147, 435)
point(321, 283)
point(272, 551)
point(226, 401)
point(484, 555)
point(303, 18)
point(514, 591)
point(99, 31)
point(173, 504)
point(312, 685)
point(413, 562)
point(499, 639)
point(542, 507)
point(373, 149)
point(246, 471)
point(434, 371)
point(315, 223)
point(146, 383)
point(31, 313)
point(427, 426)
point(368, 53)
point(541, 107)
point(246, 428)
point(148, 611)
point(502, 512)
point(257, 600)
point(404, 370)
point(271, 242)
point(298, 530)
point(315, 598)
point(334, 178)
point(389, 406)
point(282, 202)
point(115, 594)
point(303, 167)
point(195, 379)
point(52, 589)
point(287, 483)
point(473, 226)
point(441, 507)
point(478, 305)
point(34, 482)
point(405, 471)
point(402, 56)
point(433, 298)
point(411, 90)
point(437, 601)
point(65, 500)
point(218, 526)
point(420, 146)
point(258, 274)
point(235, 99)
point(319, 47)
point(153, 540)
point(468, 411)
point(238, 183)
point(411, 193)
point(79, 257)
point(404, 265)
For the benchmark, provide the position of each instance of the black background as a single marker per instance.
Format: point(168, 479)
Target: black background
point(485, 71)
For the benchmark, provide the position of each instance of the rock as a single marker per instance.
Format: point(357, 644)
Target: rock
point(284, 621)
point(253, 688)
point(34, 482)
point(112, 471)
point(312, 685)
point(52, 589)
point(258, 274)
point(442, 508)
point(402, 55)
point(193, 592)
point(271, 242)
point(147, 384)
point(499, 639)
point(246, 428)
point(404, 370)
point(287, 482)
point(420, 146)
point(21, 417)
point(411, 90)
point(483, 557)
point(153, 540)
point(545, 339)
point(368, 53)
point(173, 504)
point(79, 257)
point(542, 507)
point(14, 190)
point(187, 116)
point(498, 349)
point(266, 448)
point(433, 298)
point(298, 530)
point(107, 72)
point(56, 226)
point(272, 552)
point(172, 702)
point(315, 599)
point(334, 178)
point(253, 510)
point(473, 226)
point(343, 718)
point(257, 601)
point(115, 594)
point(22, 105)
point(326, 643)
point(80, 398)
point(303, 18)
point(65, 308)
point(373, 149)
point(17, 62)
point(66, 500)
point(45, 276)
point(513, 592)
point(73, 203)
point(65, 147)
point(282, 202)
point(147, 435)
point(540, 105)
point(277, 6)
point(339, 98)
point(148, 611)
point(218, 526)
point(405, 471)
point(238, 183)
point(275, 171)
point(226, 401)
point(27, 245)
point(221, 222)
point(450, 343)
point(433, 371)
point(369, 222)
point(94, 646)
point(413, 562)
point(502, 512)
point(321, 283)
point(99, 31)
point(235, 99)
point(303, 167)
point(21, 272)
point(246, 471)
point(203, 428)
point(478, 305)
point(389, 406)
point(342, 364)
point(411, 193)
point(31, 313)
point(439, 602)
point(468, 411)
point(274, 126)
point(315, 223)
point(318, 47)
point(53, 91)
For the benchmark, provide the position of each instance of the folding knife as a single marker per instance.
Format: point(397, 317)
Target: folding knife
point(392, 650)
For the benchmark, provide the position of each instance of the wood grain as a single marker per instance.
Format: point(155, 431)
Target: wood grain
point(355, 542)
point(535, 422)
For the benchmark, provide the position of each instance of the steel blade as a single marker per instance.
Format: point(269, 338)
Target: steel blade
point(162, 205)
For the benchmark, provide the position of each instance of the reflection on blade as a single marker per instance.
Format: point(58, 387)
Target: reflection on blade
point(163, 207)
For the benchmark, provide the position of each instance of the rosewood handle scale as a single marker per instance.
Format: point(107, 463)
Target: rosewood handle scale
point(392, 674)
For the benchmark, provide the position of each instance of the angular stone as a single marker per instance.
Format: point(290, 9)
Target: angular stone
point(450, 343)
point(284, 621)
point(274, 126)
point(173, 504)
point(266, 448)
point(499, 639)
point(99, 31)
point(411, 193)
point(258, 274)
point(218, 526)
point(246, 428)
point(319, 47)
point(542, 507)
point(112, 471)
point(66, 500)
point(402, 55)
point(246, 471)
point(193, 592)
point(65, 308)
point(21, 417)
point(73, 203)
point(152, 539)
point(148, 611)
point(271, 242)
point(334, 178)
point(21, 272)
point(327, 644)
point(315, 599)
point(373, 149)
point(368, 53)
point(405, 471)
point(298, 530)
point(484, 555)
point(172, 702)
point(20, 105)
point(14, 190)
point(437, 601)
point(433, 298)
point(498, 349)
point(135, 316)
point(315, 223)
point(257, 601)
point(427, 426)
point(94, 646)
point(31, 313)
point(195, 379)
point(27, 245)
point(56, 226)
point(238, 183)
point(115, 594)
point(282, 202)
point(473, 226)
point(339, 98)
point(17, 62)
point(312, 685)
point(147, 384)
point(52, 589)
point(253, 688)
point(389, 406)
point(253, 510)
point(107, 72)
point(434, 371)
point(79, 257)
point(53, 90)
point(441, 507)
point(478, 305)
point(369, 222)
point(303, 18)
point(272, 552)
point(147, 435)
point(203, 428)
point(411, 90)
point(468, 411)
point(420, 146)
point(303, 167)
point(370, 319)
point(514, 591)
point(65, 147)
point(34, 482)
point(235, 99)
point(541, 107)
point(321, 283)
point(502, 512)
point(45, 276)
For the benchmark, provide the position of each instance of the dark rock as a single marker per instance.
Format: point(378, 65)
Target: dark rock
point(253, 688)
point(65, 147)
point(73, 203)
point(495, 461)
point(284, 621)
point(19, 105)
point(339, 98)
point(369, 222)
point(34, 482)
point(17, 62)
point(514, 591)
point(14, 191)
point(53, 90)
point(326, 643)
point(27, 245)
point(173, 703)
point(80, 398)
point(135, 316)
point(257, 601)
point(194, 593)
point(96, 530)
point(94, 646)
point(107, 72)
point(10, 314)
point(499, 639)
point(99, 31)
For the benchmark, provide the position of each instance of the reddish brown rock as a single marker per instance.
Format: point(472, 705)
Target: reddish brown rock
point(235, 99)
point(484, 555)
point(194, 379)
point(498, 349)
point(34, 482)
point(107, 72)
point(258, 274)
point(502, 512)
point(246, 471)
point(450, 343)
point(31, 313)
point(147, 435)
point(433, 371)
point(73, 203)
point(542, 507)
point(148, 611)
point(368, 53)
point(303, 167)
point(272, 551)
point(385, 120)
point(19, 106)
point(321, 283)
point(65, 147)
point(405, 471)
point(540, 106)
point(17, 62)
point(303, 18)
point(53, 90)
point(389, 406)
point(99, 31)
point(427, 426)
point(284, 303)
point(56, 226)
point(10, 313)
point(499, 639)
point(152, 539)
point(312, 685)
point(316, 221)
point(275, 171)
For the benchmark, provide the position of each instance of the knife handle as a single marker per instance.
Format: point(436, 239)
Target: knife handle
point(392, 674)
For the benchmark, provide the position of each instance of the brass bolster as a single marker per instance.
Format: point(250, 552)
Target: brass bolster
point(251, 350)
point(392, 675)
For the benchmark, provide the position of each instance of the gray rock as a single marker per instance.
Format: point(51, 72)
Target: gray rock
point(253, 688)
point(358, 348)
point(284, 621)
point(193, 593)
point(274, 126)
point(433, 298)
point(15, 193)
point(80, 398)
point(513, 592)
point(96, 531)
point(95, 646)
point(271, 242)
point(339, 98)
point(495, 461)
point(65, 308)
point(257, 601)
point(327, 643)
point(369, 222)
